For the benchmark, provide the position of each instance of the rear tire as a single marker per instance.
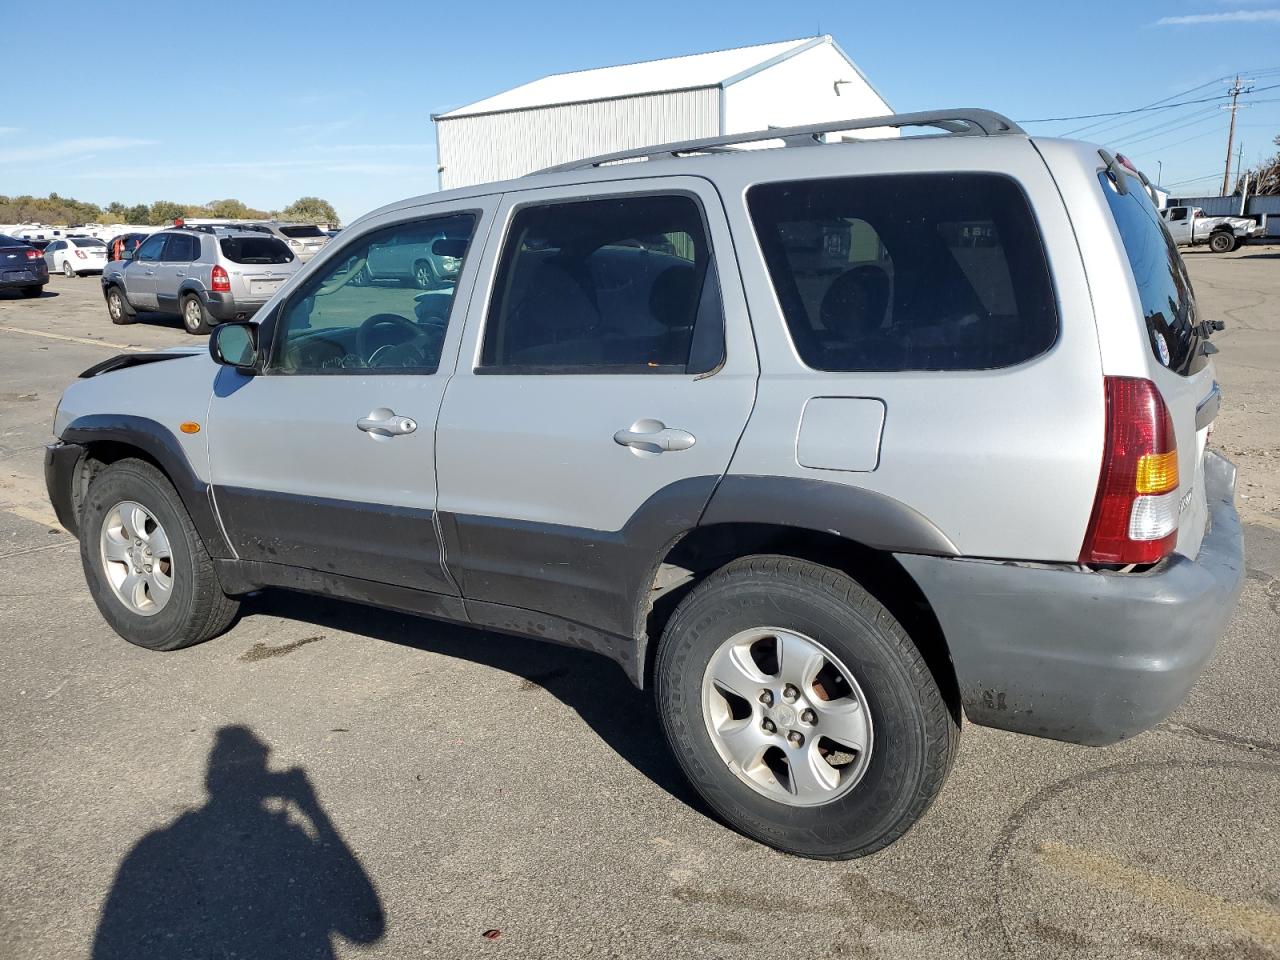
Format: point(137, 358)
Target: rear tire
point(878, 790)
point(118, 308)
point(32, 291)
point(1222, 242)
point(67, 270)
point(425, 276)
point(193, 608)
point(195, 318)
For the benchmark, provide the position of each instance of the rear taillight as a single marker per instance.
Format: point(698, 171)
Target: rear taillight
point(80, 253)
point(34, 254)
point(219, 282)
point(1135, 515)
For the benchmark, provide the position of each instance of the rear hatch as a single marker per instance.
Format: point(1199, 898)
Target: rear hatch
point(1178, 359)
point(305, 240)
point(91, 253)
point(256, 264)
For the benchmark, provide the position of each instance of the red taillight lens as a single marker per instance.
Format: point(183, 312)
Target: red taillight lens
point(219, 282)
point(80, 253)
point(34, 254)
point(1135, 515)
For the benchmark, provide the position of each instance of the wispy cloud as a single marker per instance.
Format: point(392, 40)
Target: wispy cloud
point(1230, 16)
point(69, 148)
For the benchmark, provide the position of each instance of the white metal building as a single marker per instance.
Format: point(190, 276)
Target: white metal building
point(569, 116)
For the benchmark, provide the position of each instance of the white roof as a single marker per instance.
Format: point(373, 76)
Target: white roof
point(652, 76)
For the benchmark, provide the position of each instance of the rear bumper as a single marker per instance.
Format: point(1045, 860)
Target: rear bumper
point(13, 278)
point(1083, 656)
point(222, 306)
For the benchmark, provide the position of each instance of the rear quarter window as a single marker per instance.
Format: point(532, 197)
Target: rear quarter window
point(255, 250)
point(1164, 289)
point(907, 271)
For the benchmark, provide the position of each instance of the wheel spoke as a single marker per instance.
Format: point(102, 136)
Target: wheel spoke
point(160, 585)
point(158, 541)
point(798, 660)
point(136, 522)
point(131, 588)
point(745, 742)
point(737, 673)
point(115, 547)
point(844, 721)
point(811, 776)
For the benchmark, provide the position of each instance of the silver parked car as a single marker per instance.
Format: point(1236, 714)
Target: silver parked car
point(304, 239)
point(205, 275)
point(829, 447)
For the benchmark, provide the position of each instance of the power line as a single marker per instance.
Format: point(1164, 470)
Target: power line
point(1122, 113)
point(1106, 124)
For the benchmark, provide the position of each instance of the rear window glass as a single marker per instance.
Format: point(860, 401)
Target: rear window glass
point(89, 242)
point(908, 271)
point(298, 233)
point(1164, 289)
point(255, 250)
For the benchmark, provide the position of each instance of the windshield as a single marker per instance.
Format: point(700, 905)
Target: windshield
point(255, 250)
point(299, 233)
point(1164, 289)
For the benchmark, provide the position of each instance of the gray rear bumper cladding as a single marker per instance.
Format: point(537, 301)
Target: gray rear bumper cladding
point(1081, 656)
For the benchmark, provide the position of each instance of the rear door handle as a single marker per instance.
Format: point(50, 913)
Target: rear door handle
point(654, 436)
point(386, 423)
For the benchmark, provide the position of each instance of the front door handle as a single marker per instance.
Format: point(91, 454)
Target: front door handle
point(386, 423)
point(654, 436)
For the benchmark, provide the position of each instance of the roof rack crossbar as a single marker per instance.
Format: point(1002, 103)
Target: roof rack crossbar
point(963, 122)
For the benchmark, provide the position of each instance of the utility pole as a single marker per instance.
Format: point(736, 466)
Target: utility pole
point(1237, 88)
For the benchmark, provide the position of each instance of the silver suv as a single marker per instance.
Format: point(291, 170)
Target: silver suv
point(304, 239)
point(829, 447)
point(206, 275)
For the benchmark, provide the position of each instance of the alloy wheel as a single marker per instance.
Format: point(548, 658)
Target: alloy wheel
point(136, 558)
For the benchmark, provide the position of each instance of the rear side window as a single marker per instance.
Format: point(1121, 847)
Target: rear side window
point(1164, 289)
point(907, 271)
point(614, 285)
point(297, 233)
point(255, 250)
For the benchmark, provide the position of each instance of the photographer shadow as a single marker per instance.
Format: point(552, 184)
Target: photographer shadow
point(258, 871)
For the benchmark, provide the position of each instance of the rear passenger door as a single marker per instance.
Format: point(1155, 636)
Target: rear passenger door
point(601, 388)
point(175, 262)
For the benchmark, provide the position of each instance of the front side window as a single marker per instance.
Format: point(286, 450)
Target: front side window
point(382, 305)
point(621, 285)
point(907, 271)
point(150, 250)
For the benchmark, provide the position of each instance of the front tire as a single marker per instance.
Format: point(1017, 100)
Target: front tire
point(118, 307)
point(800, 710)
point(195, 318)
point(146, 566)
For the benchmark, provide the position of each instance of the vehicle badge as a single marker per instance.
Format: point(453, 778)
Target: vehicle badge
point(1162, 346)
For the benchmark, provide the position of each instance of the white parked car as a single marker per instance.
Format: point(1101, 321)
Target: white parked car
point(76, 256)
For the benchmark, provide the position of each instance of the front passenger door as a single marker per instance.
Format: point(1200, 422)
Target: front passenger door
point(140, 273)
point(326, 459)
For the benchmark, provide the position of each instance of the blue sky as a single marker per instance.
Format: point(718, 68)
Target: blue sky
point(335, 99)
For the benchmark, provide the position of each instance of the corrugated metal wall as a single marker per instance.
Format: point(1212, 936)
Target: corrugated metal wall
point(502, 145)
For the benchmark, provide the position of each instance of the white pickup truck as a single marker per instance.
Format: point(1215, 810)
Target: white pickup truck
point(1189, 226)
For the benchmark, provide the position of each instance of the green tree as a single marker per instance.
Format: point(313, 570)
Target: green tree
point(310, 210)
point(116, 211)
point(228, 209)
point(138, 214)
point(164, 212)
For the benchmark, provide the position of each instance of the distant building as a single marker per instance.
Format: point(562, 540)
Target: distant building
point(569, 116)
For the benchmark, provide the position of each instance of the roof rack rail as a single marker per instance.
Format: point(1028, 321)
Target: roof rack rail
point(962, 122)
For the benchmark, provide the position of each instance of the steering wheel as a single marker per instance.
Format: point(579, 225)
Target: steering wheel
point(365, 332)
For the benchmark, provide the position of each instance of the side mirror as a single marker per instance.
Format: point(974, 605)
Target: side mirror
point(235, 345)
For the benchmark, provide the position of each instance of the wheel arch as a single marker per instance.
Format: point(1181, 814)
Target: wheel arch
point(106, 439)
point(847, 528)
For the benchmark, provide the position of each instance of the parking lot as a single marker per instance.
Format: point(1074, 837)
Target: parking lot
point(413, 789)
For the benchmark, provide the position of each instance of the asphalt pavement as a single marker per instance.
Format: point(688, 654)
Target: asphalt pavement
point(326, 777)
